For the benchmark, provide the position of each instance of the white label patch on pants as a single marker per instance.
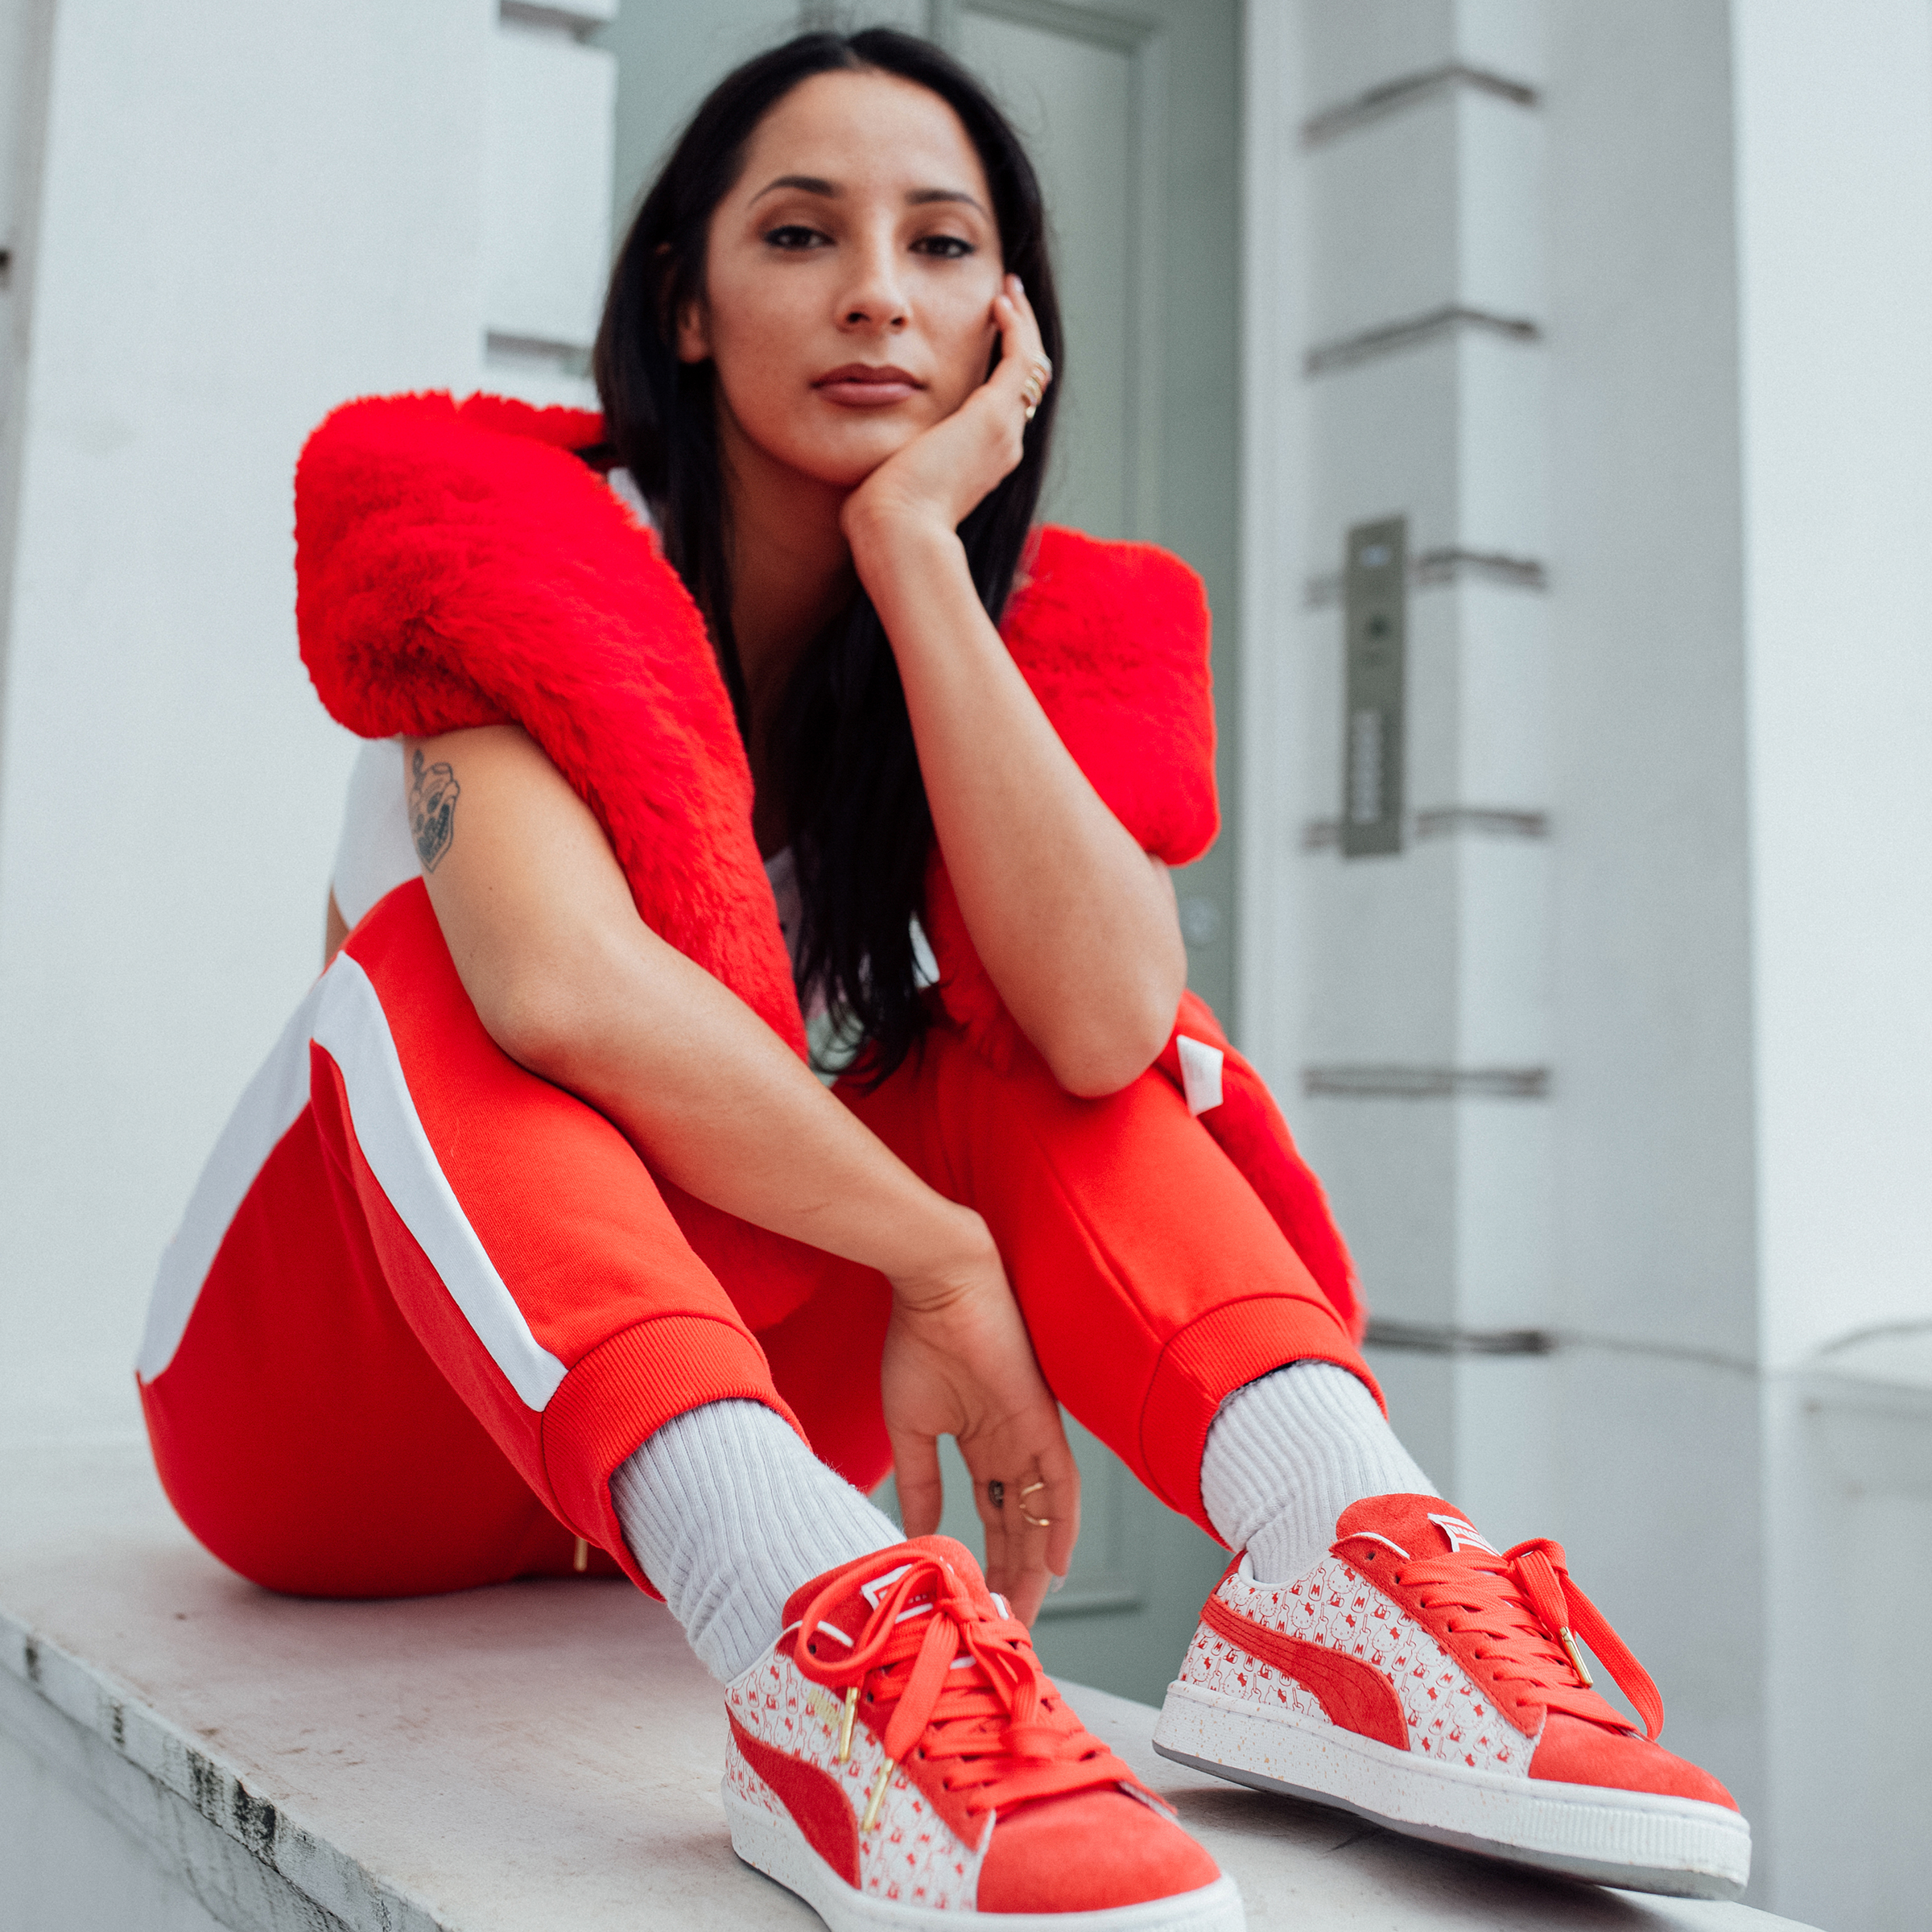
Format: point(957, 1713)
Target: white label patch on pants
point(1200, 1074)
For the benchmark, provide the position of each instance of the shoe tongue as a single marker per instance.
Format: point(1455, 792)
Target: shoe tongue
point(868, 1580)
point(1420, 1525)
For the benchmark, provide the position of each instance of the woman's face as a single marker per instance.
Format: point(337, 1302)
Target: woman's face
point(850, 277)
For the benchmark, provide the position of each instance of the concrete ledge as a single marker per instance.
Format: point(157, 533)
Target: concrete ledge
point(541, 1754)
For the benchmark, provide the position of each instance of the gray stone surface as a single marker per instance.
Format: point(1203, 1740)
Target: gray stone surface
point(544, 1754)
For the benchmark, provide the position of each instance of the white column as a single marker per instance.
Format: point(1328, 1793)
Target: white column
point(1425, 1057)
point(232, 217)
point(547, 198)
point(1834, 196)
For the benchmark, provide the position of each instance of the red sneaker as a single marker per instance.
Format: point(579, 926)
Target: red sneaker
point(1419, 1677)
point(899, 1758)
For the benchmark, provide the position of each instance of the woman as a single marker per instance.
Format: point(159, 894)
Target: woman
point(472, 1283)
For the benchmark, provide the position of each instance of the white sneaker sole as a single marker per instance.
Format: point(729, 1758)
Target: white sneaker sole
point(1678, 1846)
point(776, 1847)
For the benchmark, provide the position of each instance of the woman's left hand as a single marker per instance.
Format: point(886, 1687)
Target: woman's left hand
point(940, 477)
point(959, 1362)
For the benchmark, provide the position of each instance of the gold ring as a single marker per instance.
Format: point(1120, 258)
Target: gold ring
point(1039, 1522)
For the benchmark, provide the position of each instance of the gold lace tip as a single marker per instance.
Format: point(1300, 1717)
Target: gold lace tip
point(581, 1560)
point(878, 1795)
point(1576, 1658)
point(851, 1710)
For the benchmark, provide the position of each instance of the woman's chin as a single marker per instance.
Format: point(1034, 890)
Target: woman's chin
point(845, 462)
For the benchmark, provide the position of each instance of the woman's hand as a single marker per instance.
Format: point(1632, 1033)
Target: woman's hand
point(958, 1362)
point(939, 478)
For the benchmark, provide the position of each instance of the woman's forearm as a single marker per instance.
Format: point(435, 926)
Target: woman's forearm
point(719, 1104)
point(568, 980)
point(1076, 924)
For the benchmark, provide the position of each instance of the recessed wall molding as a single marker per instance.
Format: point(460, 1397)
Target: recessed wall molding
point(1443, 1338)
point(568, 358)
point(1481, 822)
point(1430, 569)
point(1393, 96)
point(1354, 1083)
point(1413, 331)
point(563, 17)
point(1442, 822)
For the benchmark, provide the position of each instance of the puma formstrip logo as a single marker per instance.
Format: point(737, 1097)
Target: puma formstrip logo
point(1459, 1533)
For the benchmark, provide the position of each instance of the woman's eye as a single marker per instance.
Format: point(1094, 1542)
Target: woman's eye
point(794, 235)
point(948, 248)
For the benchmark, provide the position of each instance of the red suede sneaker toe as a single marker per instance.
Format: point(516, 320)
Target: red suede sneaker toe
point(1572, 1751)
point(1087, 1852)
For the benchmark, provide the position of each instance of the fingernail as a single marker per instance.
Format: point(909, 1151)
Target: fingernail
point(1055, 1584)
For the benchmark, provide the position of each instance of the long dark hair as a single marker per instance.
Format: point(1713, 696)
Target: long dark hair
point(854, 798)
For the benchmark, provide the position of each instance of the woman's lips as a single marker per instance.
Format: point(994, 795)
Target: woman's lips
point(863, 385)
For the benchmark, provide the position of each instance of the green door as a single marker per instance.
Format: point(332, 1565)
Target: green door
point(1133, 113)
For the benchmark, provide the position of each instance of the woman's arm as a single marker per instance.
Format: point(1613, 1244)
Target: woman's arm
point(1076, 924)
point(569, 981)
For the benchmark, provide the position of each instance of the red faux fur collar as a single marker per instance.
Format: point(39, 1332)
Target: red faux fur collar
point(456, 565)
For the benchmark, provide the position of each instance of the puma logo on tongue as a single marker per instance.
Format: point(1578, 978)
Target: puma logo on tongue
point(1460, 1532)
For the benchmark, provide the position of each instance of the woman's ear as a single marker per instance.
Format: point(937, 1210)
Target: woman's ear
point(694, 334)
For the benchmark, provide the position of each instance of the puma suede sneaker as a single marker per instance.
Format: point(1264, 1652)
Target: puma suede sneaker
point(898, 1758)
point(1420, 1679)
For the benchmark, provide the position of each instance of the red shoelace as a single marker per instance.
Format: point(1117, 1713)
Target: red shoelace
point(1524, 1617)
point(994, 1729)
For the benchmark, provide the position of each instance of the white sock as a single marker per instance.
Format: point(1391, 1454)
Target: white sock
point(1288, 1454)
point(728, 1513)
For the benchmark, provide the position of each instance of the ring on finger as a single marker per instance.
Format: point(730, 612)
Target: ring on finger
point(1029, 1489)
point(1039, 1522)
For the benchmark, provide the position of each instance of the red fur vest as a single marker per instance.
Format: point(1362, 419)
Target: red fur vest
point(456, 565)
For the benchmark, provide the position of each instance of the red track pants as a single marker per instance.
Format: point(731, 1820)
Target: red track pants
point(423, 1303)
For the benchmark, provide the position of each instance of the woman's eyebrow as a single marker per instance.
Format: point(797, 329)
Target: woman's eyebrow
point(918, 197)
point(817, 184)
point(810, 184)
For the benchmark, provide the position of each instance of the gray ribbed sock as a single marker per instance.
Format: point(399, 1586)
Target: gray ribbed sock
point(728, 1513)
point(1288, 1454)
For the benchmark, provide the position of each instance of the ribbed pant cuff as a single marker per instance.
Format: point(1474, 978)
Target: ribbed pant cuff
point(1206, 1362)
point(622, 1392)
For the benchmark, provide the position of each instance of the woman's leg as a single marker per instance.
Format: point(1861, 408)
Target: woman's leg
point(1155, 1285)
point(424, 1305)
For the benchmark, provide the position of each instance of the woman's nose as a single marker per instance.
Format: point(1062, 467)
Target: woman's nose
point(875, 299)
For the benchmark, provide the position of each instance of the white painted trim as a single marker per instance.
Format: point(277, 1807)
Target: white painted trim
point(344, 1016)
point(1274, 563)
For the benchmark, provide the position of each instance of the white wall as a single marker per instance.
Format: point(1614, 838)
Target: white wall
point(248, 213)
point(1655, 1158)
point(1835, 208)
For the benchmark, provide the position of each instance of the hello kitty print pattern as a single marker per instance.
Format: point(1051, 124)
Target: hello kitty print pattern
point(912, 1856)
point(1450, 1718)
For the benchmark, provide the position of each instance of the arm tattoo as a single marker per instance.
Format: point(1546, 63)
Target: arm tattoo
point(433, 793)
